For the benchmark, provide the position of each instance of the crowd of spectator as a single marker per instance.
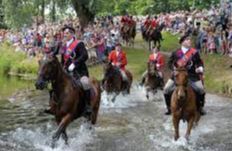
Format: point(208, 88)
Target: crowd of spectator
point(211, 30)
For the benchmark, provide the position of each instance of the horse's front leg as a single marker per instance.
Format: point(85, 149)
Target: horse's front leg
point(65, 136)
point(114, 97)
point(62, 126)
point(159, 45)
point(176, 122)
point(190, 125)
point(147, 93)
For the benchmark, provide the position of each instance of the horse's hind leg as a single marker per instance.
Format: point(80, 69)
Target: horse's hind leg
point(95, 111)
point(176, 122)
point(114, 97)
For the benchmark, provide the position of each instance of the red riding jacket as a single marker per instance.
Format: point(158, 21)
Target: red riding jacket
point(158, 58)
point(119, 58)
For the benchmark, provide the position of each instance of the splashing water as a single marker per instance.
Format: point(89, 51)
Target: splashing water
point(40, 139)
point(132, 123)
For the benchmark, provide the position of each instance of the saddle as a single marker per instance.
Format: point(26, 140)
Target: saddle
point(77, 84)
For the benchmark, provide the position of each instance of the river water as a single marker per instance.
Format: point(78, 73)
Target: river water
point(132, 123)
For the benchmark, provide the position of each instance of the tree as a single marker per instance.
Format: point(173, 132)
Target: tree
point(85, 10)
point(18, 12)
point(53, 10)
point(2, 23)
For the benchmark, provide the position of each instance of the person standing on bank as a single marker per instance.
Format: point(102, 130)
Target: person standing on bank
point(189, 58)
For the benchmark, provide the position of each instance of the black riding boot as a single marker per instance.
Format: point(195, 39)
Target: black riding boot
point(201, 104)
point(88, 108)
point(161, 84)
point(168, 103)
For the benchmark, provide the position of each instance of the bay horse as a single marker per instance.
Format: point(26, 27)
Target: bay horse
point(67, 99)
point(183, 103)
point(152, 80)
point(155, 36)
point(128, 33)
point(113, 81)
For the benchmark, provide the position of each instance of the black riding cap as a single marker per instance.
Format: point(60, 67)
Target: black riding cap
point(71, 29)
point(183, 38)
point(118, 44)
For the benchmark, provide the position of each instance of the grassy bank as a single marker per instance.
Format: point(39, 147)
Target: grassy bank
point(16, 62)
point(218, 77)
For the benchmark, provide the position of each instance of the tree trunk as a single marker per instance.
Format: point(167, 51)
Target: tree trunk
point(42, 11)
point(53, 11)
point(85, 15)
point(2, 23)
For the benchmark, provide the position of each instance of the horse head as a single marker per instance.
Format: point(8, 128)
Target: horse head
point(161, 27)
point(107, 66)
point(151, 68)
point(181, 79)
point(48, 70)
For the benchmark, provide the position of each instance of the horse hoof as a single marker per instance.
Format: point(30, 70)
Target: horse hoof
point(187, 137)
point(147, 97)
point(202, 112)
point(53, 145)
point(113, 100)
point(168, 113)
point(176, 138)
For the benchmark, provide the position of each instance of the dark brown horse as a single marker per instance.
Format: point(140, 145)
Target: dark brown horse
point(183, 103)
point(128, 33)
point(113, 82)
point(67, 99)
point(152, 80)
point(154, 36)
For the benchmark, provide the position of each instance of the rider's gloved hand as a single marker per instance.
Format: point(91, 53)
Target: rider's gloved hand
point(157, 66)
point(71, 67)
point(118, 64)
point(199, 69)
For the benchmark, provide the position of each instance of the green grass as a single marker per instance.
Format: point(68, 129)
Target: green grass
point(15, 62)
point(218, 74)
point(170, 43)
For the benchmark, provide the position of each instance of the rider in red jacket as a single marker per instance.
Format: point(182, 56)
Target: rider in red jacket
point(119, 60)
point(157, 58)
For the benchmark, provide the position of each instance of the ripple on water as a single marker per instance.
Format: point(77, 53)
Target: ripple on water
point(137, 94)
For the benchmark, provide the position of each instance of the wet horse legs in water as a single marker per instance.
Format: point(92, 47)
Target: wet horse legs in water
point(147, 93)
point(190, 125)
point(65, 137)
point(114, 97)
point(61, 129)
point(176, 127)
point(188, 131)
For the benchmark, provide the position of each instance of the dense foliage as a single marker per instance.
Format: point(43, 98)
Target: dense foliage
point(20, 12)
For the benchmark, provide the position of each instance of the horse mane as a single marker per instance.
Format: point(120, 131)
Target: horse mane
point(112, 71)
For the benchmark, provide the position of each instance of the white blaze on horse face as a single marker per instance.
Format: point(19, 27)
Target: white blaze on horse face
point(181, 93)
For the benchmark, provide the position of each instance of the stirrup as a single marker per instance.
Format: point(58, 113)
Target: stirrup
point(168, 112)
point(202, 112)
